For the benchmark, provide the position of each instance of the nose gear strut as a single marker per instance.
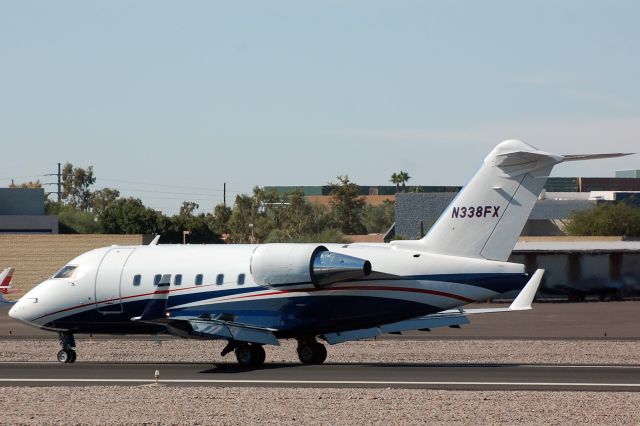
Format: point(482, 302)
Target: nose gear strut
point(68, 343)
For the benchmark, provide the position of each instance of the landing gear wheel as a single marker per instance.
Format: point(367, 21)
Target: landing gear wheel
point(312, 353)
point(250, 355)
point(66, 356)
point(260, 355)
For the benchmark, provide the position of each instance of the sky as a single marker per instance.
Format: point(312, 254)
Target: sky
point(168, 100)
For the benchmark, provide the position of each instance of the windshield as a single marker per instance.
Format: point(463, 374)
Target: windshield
point(68, 271)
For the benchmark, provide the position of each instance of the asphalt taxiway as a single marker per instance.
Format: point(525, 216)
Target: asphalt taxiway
point(421, 376)
point(606, 321)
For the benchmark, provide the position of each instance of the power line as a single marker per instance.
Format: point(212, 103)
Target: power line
point(167, 185)
point(22, 177)
point(172, 192)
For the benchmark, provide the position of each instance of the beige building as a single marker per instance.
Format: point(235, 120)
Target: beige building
point(36, 257)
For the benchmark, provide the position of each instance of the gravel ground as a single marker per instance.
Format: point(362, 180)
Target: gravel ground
point(370, 351)
point(230, 406)
point(150, 404)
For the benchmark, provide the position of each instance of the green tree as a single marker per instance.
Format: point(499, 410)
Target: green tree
point(102, 198)
point(347, 205)
point(243, 214)
point(128, 216)
point(404, 178)
point(221, 216)
point(296, 218)
point(31, 184)
point(378, 219)
point(395, 179)
point(400, 179)
point(616, 219)
point(73, 221)
point(76, 182)
point(200, 227)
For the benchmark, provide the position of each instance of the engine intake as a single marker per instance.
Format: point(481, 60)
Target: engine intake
point(277, 264)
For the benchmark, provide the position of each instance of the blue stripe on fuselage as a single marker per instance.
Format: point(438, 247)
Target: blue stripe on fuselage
point(496, 282)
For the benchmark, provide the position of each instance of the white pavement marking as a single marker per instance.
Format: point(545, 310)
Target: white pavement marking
point(326, 382)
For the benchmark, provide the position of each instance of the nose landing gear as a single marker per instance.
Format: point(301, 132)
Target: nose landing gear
point(67, 354)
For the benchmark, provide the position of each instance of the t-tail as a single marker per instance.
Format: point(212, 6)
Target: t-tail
point(487, 216)
point(5, 284)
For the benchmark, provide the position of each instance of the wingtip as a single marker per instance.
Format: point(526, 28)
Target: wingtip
point(523, 301)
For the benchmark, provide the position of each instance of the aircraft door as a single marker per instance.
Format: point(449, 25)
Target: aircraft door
point(108, 280)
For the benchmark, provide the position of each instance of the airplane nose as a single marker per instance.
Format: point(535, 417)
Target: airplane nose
point(17, 311)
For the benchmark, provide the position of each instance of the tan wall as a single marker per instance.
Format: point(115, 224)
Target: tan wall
point(37, 257)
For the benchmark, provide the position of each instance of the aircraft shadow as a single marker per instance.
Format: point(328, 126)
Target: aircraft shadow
point(230, 368)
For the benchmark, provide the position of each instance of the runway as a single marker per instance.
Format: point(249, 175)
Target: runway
point(407, 376)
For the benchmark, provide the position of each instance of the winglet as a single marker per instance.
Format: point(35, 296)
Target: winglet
point(157, 305)
point(524, 299)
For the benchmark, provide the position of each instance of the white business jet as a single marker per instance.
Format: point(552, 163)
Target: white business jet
point(253, 295)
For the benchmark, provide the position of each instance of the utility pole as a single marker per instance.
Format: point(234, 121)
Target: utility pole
point(224, 194)
point(59, 184)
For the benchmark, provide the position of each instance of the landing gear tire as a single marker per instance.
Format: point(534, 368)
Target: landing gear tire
point(250, 355)
point(67, 356)
point(312, 353)
point(260, 355)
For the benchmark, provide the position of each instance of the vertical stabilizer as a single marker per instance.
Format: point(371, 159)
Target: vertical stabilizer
point(488, 215)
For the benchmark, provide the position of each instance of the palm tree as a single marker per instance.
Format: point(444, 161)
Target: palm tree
point(395, 178)
point(404, 178)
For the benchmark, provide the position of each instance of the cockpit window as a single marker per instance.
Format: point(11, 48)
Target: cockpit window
point(68, 271)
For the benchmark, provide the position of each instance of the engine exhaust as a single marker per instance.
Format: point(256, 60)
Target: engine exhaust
point(329, 267)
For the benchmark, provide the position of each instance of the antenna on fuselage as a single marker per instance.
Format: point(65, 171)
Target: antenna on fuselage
point(155, 241)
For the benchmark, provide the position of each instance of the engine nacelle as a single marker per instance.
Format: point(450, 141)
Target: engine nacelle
point(274, 264)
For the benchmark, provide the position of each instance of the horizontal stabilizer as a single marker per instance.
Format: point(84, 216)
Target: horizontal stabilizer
point(580, 157)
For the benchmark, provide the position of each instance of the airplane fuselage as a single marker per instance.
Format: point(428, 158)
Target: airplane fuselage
point(111, 285)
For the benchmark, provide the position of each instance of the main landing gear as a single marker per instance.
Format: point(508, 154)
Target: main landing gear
point(247, 354)
point(311, 351)
point(67, 354)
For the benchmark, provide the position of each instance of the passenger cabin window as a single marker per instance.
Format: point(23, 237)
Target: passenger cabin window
point(137, 279)
point(156, 279)
point(68, 271)
point(177, 280)
point(199, 279)
point(241, 279)
point(220, 279)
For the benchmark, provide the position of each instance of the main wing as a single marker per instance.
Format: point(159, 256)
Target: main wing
point(450, 318)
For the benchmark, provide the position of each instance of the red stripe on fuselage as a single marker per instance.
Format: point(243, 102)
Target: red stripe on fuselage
point(371, 288)
point(310, 290)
